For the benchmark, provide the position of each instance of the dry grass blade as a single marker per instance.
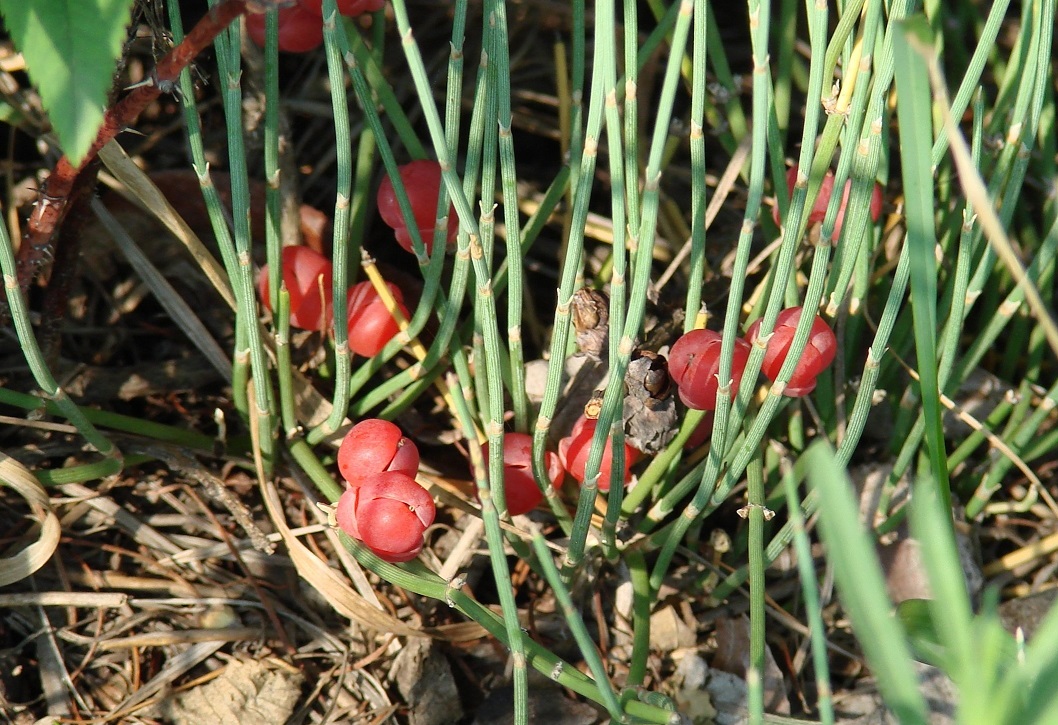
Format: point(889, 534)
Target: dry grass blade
point(464, 548)
point(142, 533)
point(185, 636)
point(974, 186)
point(723, 189)
point(1036, 551)
point(995, 441)
point(174, 668)
point(215, 489)
point(18, 566)
point(181, 313)
point(142, 188)
point(87, 600)
point(325, 580)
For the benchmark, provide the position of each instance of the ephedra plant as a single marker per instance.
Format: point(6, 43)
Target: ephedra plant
point(534, 276)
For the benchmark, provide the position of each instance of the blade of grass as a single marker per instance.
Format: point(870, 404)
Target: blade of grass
point(916, 138)
point(859, 579)
point(949, 604)
point(179, 310)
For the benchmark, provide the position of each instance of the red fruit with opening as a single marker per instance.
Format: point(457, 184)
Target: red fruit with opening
point(307, 276)
point(694, 363)
point(374, 446)
point(389, 514)
point(519, 485)
point(422, 182)
point(349, 8)
point(819, 209)
point(300, 30)
point(819, 352)
point(371, 325)
point(345, 512)
point(574, 449)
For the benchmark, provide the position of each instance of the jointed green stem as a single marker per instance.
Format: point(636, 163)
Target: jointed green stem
point(228, 61)
point(615, 389)
point(576, 624)
point(343, 188)
point(756, 512)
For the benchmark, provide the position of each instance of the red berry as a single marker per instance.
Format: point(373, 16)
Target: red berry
point(819, 209)
point(392, 511)
point(574, 450)
point(702, 433)
point(307, 276)
point(373, 446)
point(519, 485)
point(345, 512)
point(349, 8)
point(819, 352)
point(422, 182)
point(694, 363)
point(299, 29)
point(371, 325)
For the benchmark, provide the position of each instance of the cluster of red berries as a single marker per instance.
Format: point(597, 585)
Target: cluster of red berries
point(382, 505)
point(301, 26)
point(308, 276)
point(695, 359)
point(519, 485)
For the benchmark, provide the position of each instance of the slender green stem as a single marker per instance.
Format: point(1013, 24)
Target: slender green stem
point(697, 263)
point(581, 183)
point(54, 394)
point(343, 191)
point(642, 598)
point(857, 420)
point(501, 572)
point(273, 197)
point(759, 22)
point(756, 513)
point(576, 625)
point(516, 362)
point(228, 60)
point(642, 257)
point(624, 199)
point(810, 591)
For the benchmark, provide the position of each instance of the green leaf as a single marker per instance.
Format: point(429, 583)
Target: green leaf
point(71, 48)
point(914, 53)
point(858, 574)
point(922, 635)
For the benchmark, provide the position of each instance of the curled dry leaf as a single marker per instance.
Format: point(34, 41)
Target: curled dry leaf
point(22, 564)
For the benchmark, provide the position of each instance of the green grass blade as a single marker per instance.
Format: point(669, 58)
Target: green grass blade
point(916, 139)
point(859, 578)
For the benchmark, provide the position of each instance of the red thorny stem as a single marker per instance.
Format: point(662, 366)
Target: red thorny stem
point(37, 248)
